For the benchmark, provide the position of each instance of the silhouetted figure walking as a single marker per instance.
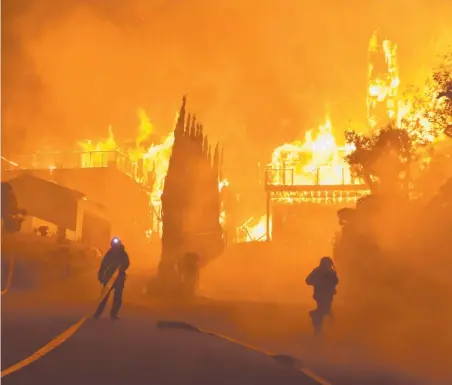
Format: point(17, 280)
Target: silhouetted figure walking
point(324, 280)
point(115, 258)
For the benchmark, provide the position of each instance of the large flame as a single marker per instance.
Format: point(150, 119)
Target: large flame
point(254, 230)
point(95, 155)
point(148, 161)
point(386, 105)
point(383, 81)
point(319, 160)
point(316, 160)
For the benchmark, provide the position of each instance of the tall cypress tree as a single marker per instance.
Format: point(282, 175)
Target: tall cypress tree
point(191, 197)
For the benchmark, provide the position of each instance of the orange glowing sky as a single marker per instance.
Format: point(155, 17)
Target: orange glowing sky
point(261, 71)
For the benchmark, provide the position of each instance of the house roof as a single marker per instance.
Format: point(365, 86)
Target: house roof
point(47, 200)
point(30, 178)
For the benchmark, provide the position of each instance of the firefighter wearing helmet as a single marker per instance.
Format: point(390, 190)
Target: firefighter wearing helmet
point(116, 258)
point(324, 280)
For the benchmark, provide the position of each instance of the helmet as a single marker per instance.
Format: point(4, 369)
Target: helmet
point(115, 242)
point(327, 262)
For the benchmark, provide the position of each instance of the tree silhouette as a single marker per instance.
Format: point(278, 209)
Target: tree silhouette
point(382, 159)
point(190, 199)
point(442, 78)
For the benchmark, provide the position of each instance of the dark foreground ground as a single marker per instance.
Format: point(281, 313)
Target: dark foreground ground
point(134, 350)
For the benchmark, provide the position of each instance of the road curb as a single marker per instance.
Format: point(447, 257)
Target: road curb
point(282, 359)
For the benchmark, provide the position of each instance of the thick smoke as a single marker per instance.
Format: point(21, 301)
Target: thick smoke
point(256, 71)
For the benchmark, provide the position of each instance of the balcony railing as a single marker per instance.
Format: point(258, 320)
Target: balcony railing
point(87, 159)
point(320, 175)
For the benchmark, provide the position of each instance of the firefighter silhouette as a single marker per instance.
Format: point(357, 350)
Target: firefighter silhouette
point(116, 258)
point(324, 281)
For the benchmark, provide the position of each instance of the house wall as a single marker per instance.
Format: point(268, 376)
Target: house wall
point(93, 224)
point(93, 227)
point(52, 205)
point(126, 201)
point(31, 224)
point(95, 231)
point(46, 200)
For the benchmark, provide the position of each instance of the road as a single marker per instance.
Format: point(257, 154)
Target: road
point(135, 350)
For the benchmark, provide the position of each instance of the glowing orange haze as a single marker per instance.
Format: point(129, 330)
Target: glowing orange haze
point(319, 159)
point(258, 72)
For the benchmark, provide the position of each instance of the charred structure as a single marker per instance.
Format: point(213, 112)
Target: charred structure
point(191, 197)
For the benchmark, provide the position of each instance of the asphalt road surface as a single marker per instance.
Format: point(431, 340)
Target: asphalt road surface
point(137, 350)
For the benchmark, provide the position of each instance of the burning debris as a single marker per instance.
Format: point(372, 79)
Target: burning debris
point(253, 230)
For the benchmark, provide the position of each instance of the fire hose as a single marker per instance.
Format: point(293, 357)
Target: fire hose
point(9, 278)
point(58, 340)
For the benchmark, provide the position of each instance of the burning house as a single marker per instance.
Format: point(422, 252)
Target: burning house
point(306, 184)
point(308, 180)
point(128, 178)
point(103, 176)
